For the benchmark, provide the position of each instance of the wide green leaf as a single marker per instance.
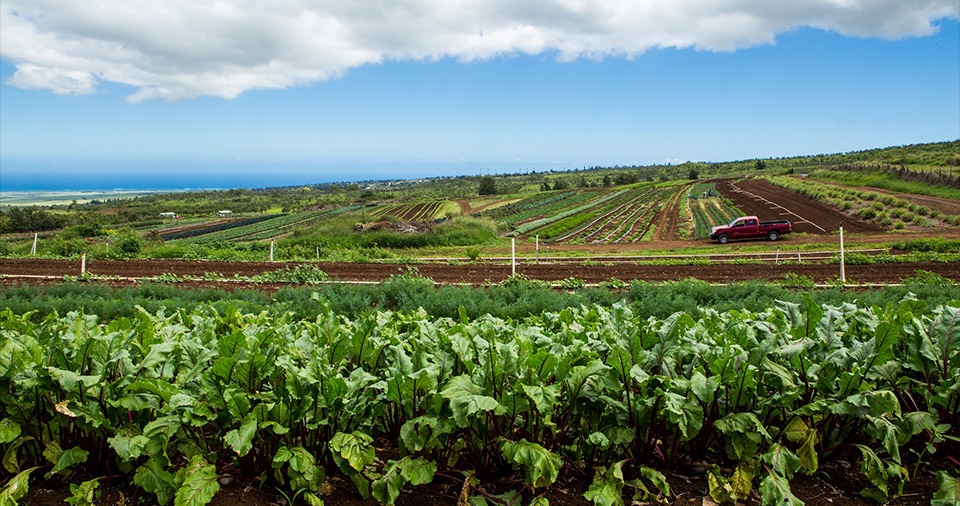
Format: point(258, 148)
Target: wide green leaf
point(775, 490)
point(355, 448)
point(540, 466)
point(241, 440)
point(15, 488)
point(199, 483)
point(948, 490)
point(399, 473)
point(9, 430)
point(467, 399)
point(606, 489)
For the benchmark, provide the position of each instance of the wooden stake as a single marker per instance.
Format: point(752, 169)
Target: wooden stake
point(843, 274)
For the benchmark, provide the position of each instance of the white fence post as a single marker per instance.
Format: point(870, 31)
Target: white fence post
point(33, 251)
point(83, 263)
point(843, 274)
point(513, 256)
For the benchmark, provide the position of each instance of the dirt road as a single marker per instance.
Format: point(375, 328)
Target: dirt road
point(16, 271)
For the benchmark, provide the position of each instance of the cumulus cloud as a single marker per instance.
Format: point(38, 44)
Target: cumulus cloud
point(182, 49)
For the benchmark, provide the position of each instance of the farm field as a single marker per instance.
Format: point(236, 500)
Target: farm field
point(717, 270)
point(535, 409)
point(599, 369)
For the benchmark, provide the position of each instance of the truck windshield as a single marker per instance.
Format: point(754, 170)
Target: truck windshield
point(734, 222)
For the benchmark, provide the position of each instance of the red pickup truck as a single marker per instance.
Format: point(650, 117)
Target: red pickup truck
point(750, 227)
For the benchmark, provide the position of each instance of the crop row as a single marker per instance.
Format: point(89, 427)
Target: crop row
point(868, 205)
point(223, 225)
point(572, 200)
point(176, 401)
point(299, 219)
point(710, 212)
point(410, 211)
point(513, 212)
point(600, 215)
point(556, 224)
point(633, 222)
point(613, 211)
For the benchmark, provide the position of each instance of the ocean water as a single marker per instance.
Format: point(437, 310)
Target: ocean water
point(26, 176)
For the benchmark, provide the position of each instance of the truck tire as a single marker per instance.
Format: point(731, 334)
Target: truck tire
point(773, 235)
point(724, 238)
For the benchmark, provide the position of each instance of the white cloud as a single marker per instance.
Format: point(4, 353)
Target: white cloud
point(181, 49)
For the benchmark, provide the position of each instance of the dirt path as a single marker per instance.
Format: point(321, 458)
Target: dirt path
point(667, 220)
point(591, 271)
point(770, 202)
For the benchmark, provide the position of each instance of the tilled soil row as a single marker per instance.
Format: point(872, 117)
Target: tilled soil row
point(35, 271)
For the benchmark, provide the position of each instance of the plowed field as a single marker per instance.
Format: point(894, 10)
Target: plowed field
point(770, 202)
point(17, 271)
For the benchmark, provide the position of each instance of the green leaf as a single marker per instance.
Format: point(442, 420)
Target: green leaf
point(83, 494)
point(873, 468)
point(744, 432)
point(775, 489)
point(303, 470)
point(65, 459)
point(9, 430)
point(544, 397)
point(128, 444)
point(704, 388)
point(742, 479)
point(687, 416)
point(200, 483)
point(312, 499)
point(16, 488)
point(948, 490)
point(355, 448)
point(10, 461)
point(466, 399)
point(162, 428)
point(399, 473)
point(156, 480)
point(782, 461)
point(797, 431)
point(241, 440)
point(721, 490)
point(607, 486)
point(658, 480)
point(540, 466)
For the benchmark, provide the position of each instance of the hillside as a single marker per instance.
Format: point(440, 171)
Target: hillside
point(887, 193)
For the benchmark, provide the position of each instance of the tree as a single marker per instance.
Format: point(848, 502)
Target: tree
point(488, 186)
point(693, 174)
point(761, 165)
point(606, 180)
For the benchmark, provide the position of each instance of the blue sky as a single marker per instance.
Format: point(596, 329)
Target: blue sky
point(78, 115)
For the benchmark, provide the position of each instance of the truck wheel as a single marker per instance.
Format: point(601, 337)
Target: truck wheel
point(773, 236)
point(724, 239)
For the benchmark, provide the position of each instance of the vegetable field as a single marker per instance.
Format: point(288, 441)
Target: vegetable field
point(177, 400)
point(411, 211)
point(586, 216)
point(709, 209)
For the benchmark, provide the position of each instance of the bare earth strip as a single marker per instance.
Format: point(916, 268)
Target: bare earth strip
point(770, 202)
point(33, 271)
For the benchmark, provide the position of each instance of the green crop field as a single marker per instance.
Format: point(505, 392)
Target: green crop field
point(507, 393)
point(391, 400)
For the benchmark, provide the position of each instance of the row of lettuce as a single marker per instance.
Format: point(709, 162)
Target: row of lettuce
point(178, 402)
